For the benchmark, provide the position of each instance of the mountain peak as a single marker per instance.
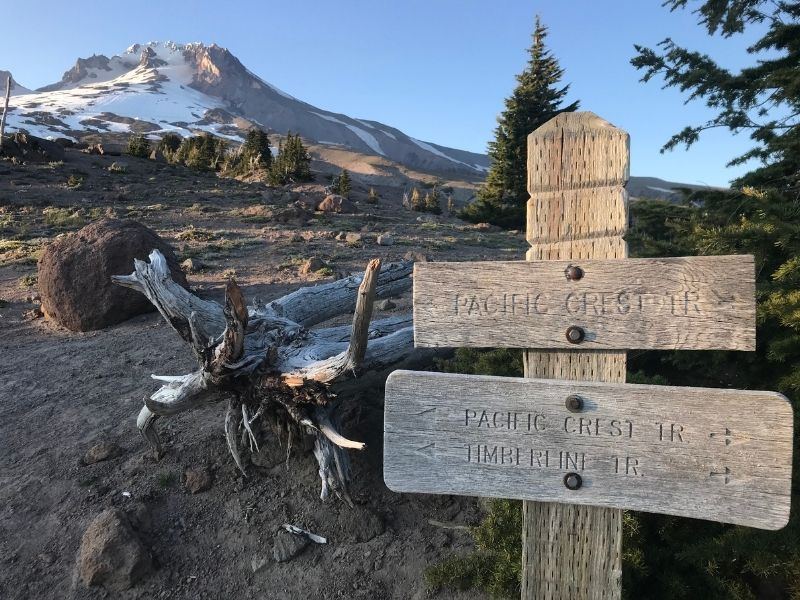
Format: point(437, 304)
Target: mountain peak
point(160, 87)
point(16, 88)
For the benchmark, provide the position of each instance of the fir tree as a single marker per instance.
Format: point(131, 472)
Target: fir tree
point(342, 184)
point(536, 99)
point(139, 146)
point(255, 151)
point(432, 202)
point(763, 99)
point(293, 162)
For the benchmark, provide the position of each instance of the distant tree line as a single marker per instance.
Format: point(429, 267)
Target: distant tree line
point(206, 152)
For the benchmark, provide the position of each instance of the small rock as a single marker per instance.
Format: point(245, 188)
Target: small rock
point(258, 563)
point(353, 238)
point(312, 265)
point(111, 554)
point(341, 236)
point(118, 167)
point(387, 305)
point(288, 545)
point(385, 240)
point(191, 265)
point(415, 256)
point(197, 479)
point(33, 299)
point(34, 313)
point(293, 213)
point(337, 204)
point(100, 452)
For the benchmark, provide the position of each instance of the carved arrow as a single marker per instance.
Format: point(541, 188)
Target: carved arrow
point(726, 474)
point(727, 435)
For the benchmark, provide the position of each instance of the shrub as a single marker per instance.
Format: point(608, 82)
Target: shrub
point(139, 146)
point(168, 144)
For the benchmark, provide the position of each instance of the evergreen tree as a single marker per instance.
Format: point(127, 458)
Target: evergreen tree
point(417, 202)
point(168, 144)
point(342, 184)
point(139, 146)
point(763, 99)
point(203, 152)
point(432, 202)
point(255, 151)
point(293, 162)
point(536, 99)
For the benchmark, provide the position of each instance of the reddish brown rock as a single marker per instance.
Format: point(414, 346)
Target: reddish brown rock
point(75, 274)
point(198, 480)
point(111, 553)
point(337, 204)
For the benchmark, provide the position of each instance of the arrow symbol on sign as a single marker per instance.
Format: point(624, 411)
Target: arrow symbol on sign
point(726, 474)
point(723, 299)
point(727, 435)
point(424, 412)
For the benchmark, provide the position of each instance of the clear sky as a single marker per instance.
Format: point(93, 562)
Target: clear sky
point(439, 70)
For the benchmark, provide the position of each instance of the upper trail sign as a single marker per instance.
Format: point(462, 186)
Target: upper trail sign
point(705, 302)
point(576, 307)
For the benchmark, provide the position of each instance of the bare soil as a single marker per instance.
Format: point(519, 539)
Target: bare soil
point(62, 392)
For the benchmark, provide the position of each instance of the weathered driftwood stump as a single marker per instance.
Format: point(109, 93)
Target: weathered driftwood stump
point(268, 364)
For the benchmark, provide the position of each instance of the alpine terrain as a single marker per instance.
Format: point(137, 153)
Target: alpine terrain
point(159, 87)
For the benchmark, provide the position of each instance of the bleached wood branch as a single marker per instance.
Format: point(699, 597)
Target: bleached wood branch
point(266, 356)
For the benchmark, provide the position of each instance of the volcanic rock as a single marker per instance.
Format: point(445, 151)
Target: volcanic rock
point(75, 274)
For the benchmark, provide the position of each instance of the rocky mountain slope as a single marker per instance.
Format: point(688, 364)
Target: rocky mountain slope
point(186, 88)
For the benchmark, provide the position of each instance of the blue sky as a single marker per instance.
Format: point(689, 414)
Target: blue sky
point(437, 69)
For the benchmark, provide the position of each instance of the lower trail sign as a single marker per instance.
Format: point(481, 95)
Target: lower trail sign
point(573, 441)
point(690, 452)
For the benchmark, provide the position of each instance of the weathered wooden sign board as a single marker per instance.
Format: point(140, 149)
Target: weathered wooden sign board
point(702, 302)
point(716, 454)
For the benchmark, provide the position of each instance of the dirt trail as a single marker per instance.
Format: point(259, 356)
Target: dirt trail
point(62, 392)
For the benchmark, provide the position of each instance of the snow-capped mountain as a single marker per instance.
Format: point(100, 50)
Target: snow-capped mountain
point(187, 88)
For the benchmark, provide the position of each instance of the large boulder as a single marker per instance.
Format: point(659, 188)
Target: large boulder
point(75, 274)
point(111, 553)
point(337, 204)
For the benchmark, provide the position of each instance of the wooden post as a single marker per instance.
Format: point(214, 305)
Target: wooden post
point(5, 111)
point(577, 167)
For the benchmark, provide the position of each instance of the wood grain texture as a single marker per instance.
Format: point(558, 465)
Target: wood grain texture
point(575, 153)
point(716, 454)
point(703, 302)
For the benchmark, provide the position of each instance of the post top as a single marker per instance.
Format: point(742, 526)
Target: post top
point(577, 121)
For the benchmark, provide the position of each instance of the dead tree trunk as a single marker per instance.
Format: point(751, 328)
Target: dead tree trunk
point(5, 111)
point(267, 362)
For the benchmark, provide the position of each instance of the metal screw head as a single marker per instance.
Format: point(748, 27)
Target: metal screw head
point(573, 481)
point(573, 273)
point(574, 403)
point(575, 334)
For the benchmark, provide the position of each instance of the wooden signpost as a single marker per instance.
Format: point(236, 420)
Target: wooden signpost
point(578, 452)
